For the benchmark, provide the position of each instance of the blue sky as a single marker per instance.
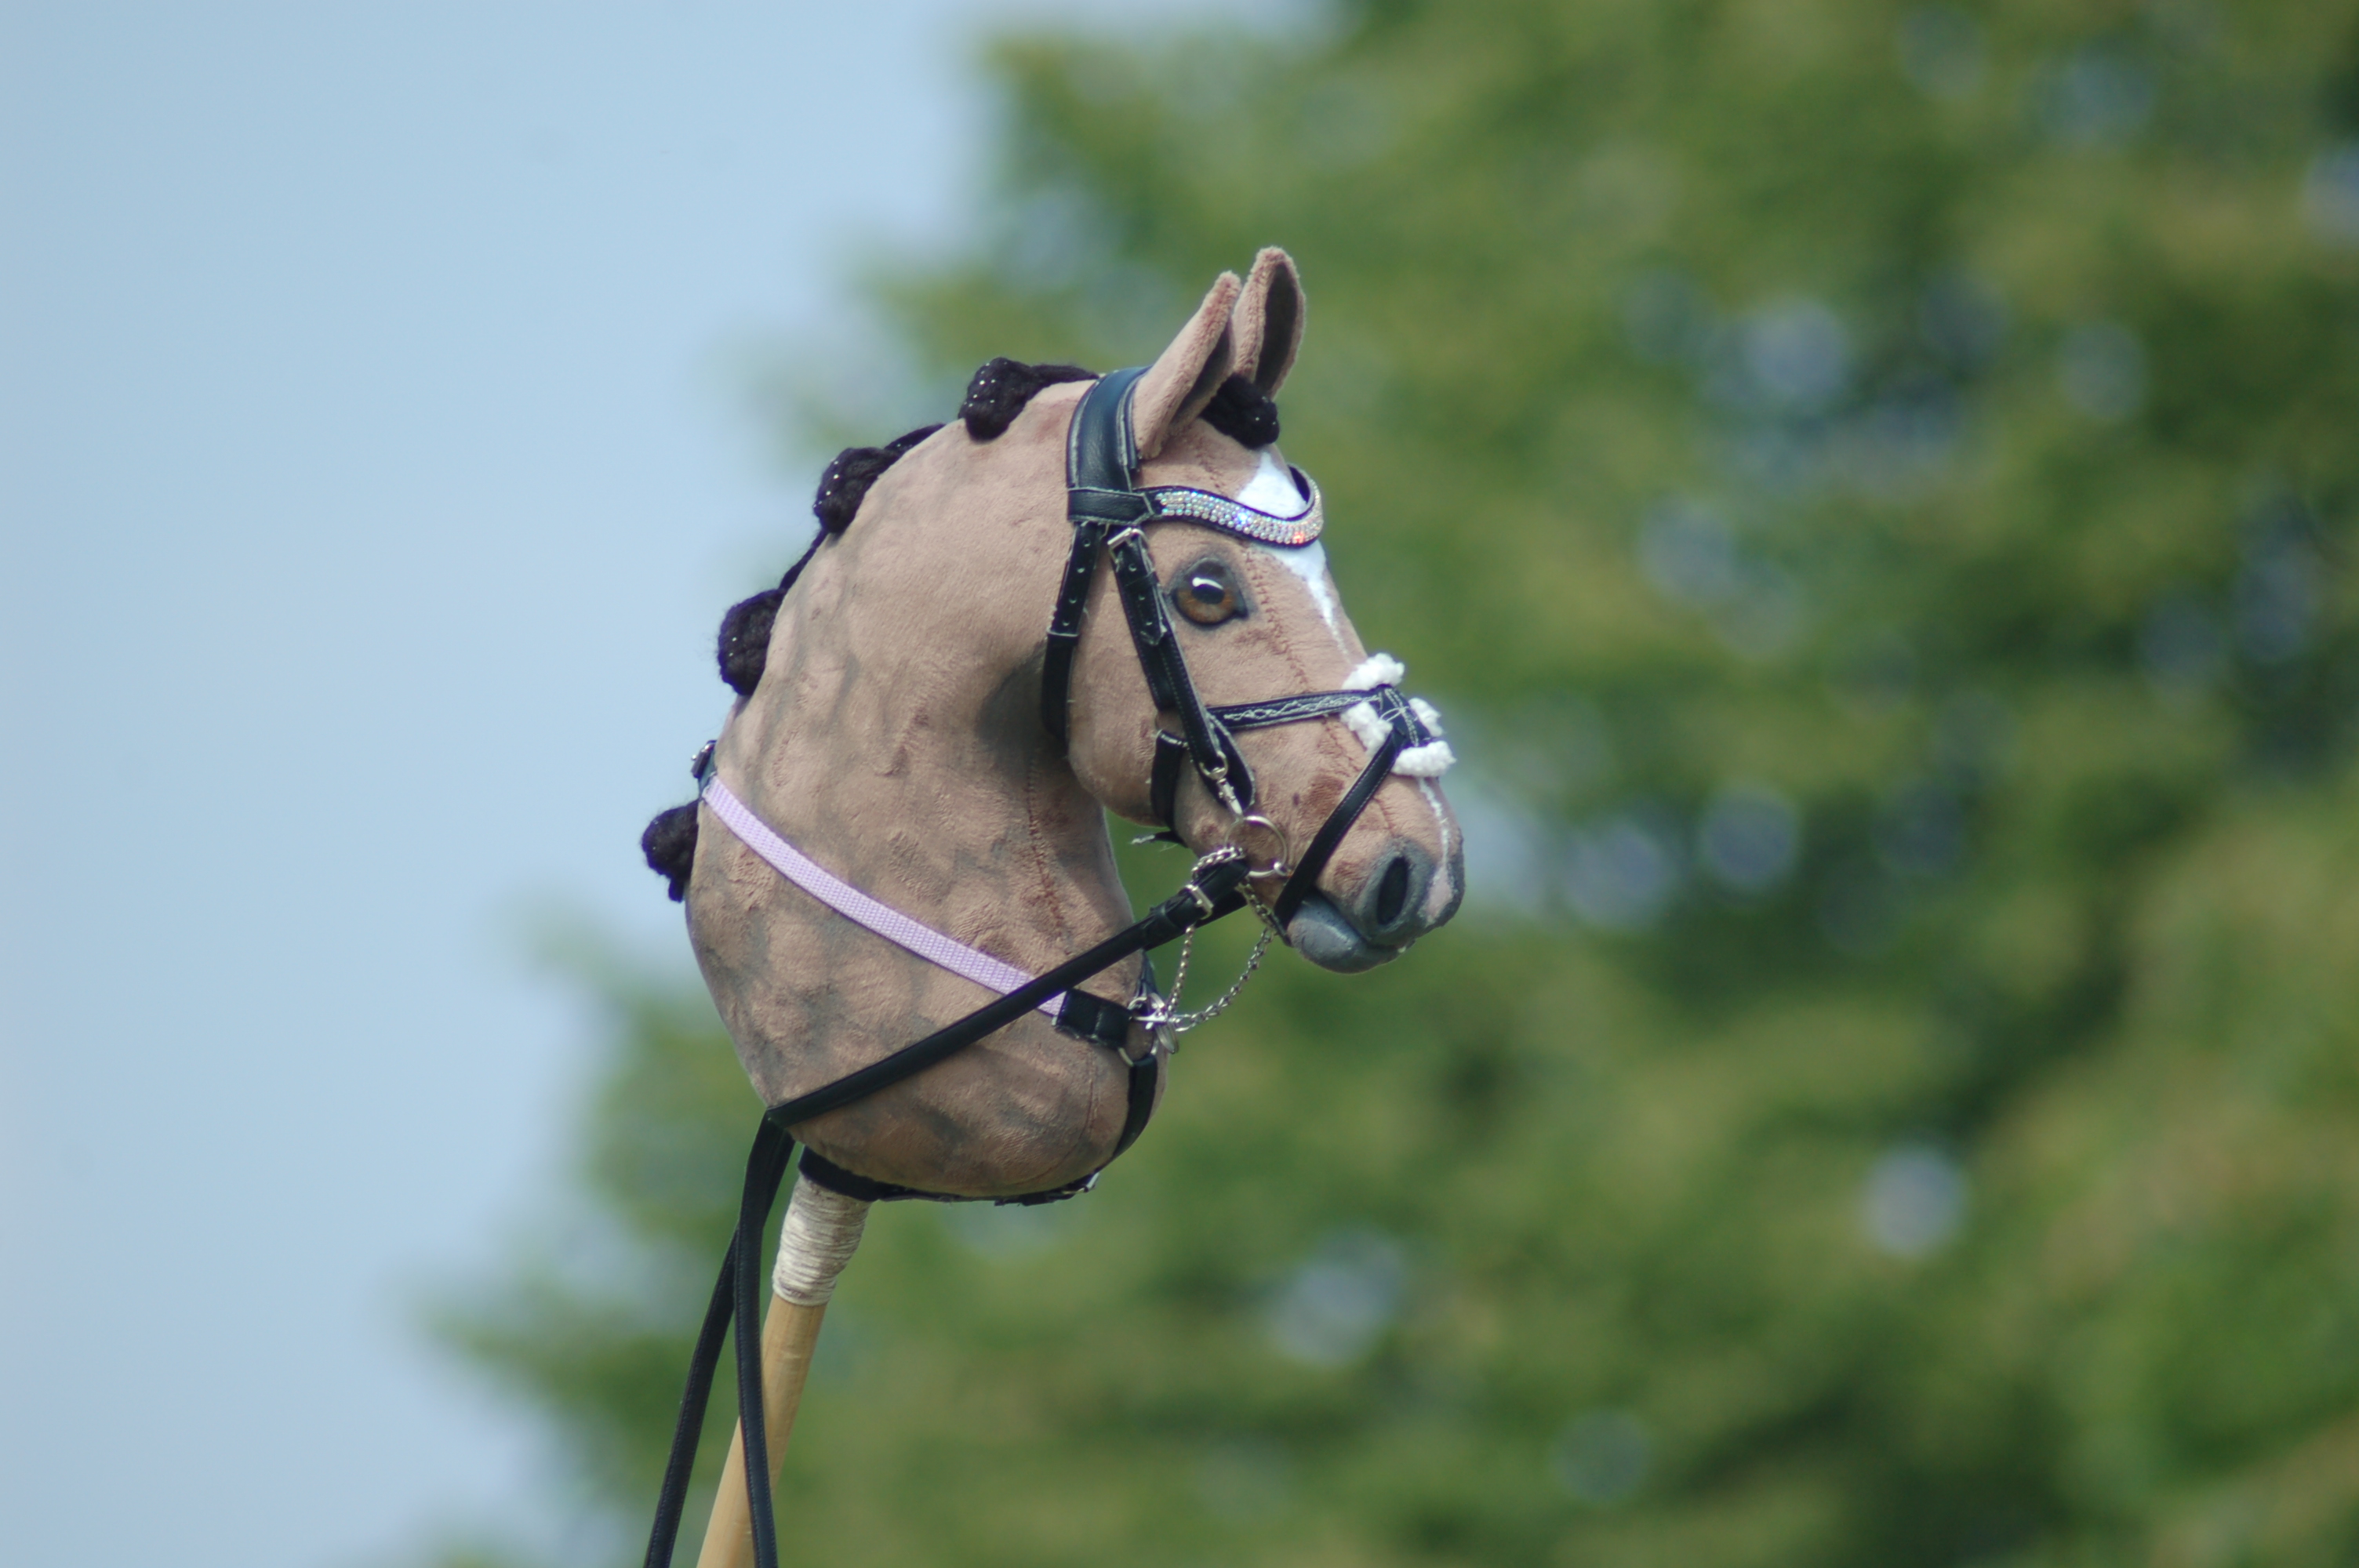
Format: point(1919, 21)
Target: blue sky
point(376, 454)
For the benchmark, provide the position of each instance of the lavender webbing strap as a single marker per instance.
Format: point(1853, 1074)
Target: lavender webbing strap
point(859, 908)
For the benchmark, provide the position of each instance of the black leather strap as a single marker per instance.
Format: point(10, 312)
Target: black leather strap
point(1163, 782)
point(1100, 447)
point(1408, 729)
point(766, 1164)
point(1141, 595)
point(1145, 1073)
point(1216, 890)
point(1101, 459)
point(1106, 510)
point(1209, 745)
point(1094, 1019)
point(1220, 890)
point(1331, 832)
point(1290, 709)
point(702, 1361)
point(1065, 628)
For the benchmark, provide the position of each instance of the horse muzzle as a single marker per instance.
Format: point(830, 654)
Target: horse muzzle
point(1356, 928)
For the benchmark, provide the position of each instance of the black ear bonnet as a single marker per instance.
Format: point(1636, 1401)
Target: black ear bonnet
point(998, 393)
point(1242, 412)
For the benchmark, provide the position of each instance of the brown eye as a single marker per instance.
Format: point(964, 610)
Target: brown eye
point(1206, 594)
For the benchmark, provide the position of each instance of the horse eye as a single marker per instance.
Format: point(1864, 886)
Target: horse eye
point(1206, 595)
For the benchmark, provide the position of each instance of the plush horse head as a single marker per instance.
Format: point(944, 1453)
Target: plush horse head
point(891, 730)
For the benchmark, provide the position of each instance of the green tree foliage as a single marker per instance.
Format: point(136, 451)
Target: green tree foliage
point(1872, 487)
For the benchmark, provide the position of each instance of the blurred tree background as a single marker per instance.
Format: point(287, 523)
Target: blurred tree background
point(1872, 487)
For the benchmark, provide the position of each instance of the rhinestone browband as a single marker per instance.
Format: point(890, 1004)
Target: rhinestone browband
point(1234, 517)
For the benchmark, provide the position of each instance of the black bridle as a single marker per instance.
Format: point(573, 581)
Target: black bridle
point(1108, 513)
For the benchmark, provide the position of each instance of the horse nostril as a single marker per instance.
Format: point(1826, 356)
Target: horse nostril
point(1392, 893)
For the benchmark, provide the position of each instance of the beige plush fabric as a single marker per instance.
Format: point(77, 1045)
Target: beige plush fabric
point(895, 739)
point(1267, 322)
point(1184, 376)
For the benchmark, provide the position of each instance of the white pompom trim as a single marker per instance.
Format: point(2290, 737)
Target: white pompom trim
point(1361, 720)
point(1429, 761)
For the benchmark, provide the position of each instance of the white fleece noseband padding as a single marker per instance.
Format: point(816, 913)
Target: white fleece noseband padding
point(1429, 761)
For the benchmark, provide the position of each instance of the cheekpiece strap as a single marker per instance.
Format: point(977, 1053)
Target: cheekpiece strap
point(1100, 455)
point(1107, 509)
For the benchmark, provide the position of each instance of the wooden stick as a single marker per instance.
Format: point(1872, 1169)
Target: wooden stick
point(821, 1231)
point(789, 1334)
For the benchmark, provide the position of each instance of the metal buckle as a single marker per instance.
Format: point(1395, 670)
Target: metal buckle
point(1219, 856)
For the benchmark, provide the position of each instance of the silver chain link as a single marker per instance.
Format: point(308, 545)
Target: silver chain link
point(1169, 1015)
point(1166, 1014)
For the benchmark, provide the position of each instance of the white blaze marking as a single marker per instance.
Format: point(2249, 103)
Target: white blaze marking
point(1309, 562)
point(1439, 893)
point(1271, 488)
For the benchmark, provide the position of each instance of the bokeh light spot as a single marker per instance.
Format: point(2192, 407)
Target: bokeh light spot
point(1604, 1456)
point(2330, 195)
point(1913, 1201)
point(1337, 1302)
point(2101, 369)
point(1749, 838)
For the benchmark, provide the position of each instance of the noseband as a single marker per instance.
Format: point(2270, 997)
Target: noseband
point(1108, 512)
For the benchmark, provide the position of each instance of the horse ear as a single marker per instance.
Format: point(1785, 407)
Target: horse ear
point(1268, 323)
point(1184, 376)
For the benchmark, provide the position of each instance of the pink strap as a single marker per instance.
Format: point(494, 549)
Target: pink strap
point(859, 908)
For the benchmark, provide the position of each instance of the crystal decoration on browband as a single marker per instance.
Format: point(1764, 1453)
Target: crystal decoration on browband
point(1234, 517)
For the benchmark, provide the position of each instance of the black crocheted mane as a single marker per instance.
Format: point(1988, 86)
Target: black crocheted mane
point(997, 394)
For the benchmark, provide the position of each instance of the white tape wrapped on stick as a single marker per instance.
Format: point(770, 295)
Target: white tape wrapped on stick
point(820, 1233)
